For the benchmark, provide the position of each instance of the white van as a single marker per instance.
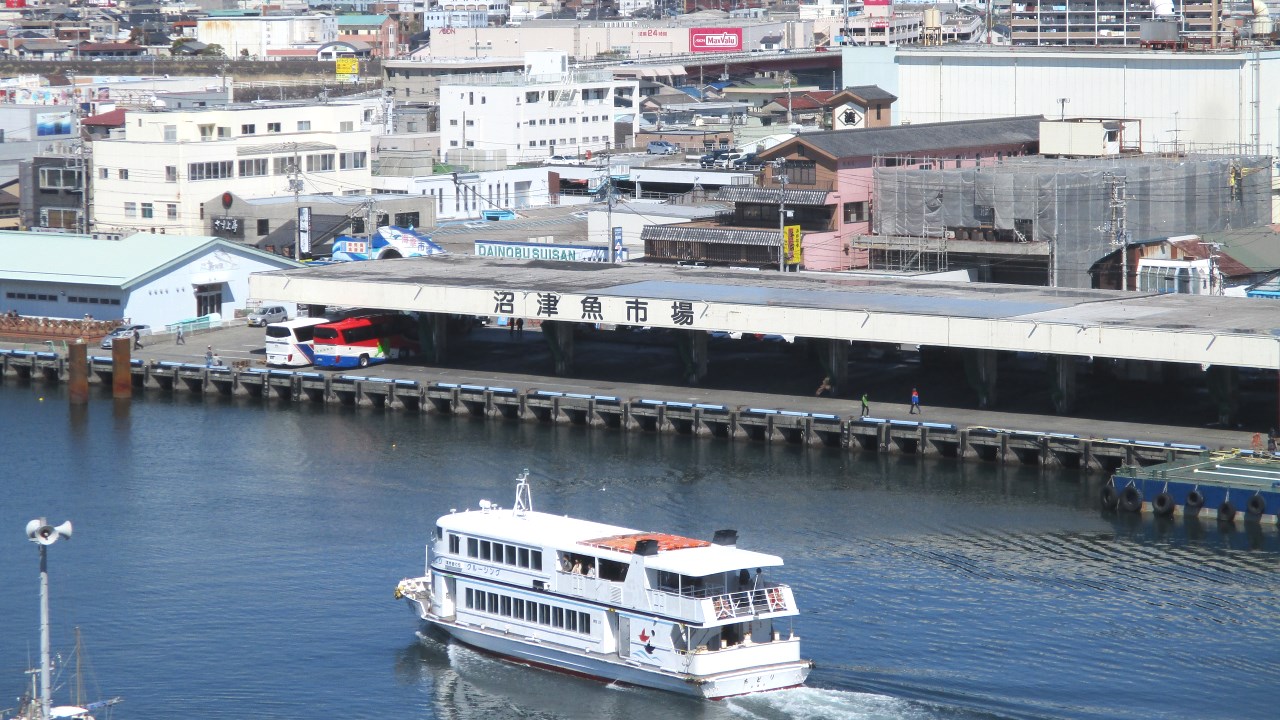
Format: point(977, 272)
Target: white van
point(291, 343)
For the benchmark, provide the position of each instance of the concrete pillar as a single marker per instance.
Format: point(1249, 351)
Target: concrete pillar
point(1062, 383)
point(559, 337)
point(833, 355)
point(692, 346)
point(121, 370)
point(78, 373)
point(980, 369)
point(1224, 387)
point(433, 334)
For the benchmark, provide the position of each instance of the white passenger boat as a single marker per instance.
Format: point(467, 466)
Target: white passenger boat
point(638, 608)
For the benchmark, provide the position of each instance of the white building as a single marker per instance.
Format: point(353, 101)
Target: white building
point(155, 173)
point(1219, 98)
point(255, 35)
point(498, 10)
point(544, 110)
point(152, 279)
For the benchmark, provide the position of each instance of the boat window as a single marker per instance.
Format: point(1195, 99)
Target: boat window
point(571, 621)
point(544, 614)
point(470, 598)
point(506, 606)
point(524, 557)
point(453, 544)
point(536, 557)
point(557, 617)
point(511, 554)
point(473, 547)
point(584, 623)
point(493, 603)
point(613, 570)
point(485, 553)
point(518, 609)
point(439, 533)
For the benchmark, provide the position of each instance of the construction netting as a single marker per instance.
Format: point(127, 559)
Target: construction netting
point(1080, 206)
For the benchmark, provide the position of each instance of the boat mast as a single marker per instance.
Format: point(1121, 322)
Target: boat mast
point(79, 675)
point(524, 500)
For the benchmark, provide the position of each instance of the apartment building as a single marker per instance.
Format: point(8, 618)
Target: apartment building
point(154, 174)
point(544, 110)
point(254, 36)
point(1101, 22)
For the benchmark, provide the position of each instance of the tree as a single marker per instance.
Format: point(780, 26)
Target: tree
point(214, 50)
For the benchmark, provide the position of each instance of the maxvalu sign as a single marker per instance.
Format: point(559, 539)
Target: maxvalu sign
point(715, 39)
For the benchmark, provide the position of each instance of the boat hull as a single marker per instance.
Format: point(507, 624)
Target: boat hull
point(605, 668)
point(1214, 501)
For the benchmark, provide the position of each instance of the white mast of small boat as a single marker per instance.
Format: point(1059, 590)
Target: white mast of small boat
point(43, 534)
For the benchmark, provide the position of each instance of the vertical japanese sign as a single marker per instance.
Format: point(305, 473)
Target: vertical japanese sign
point(791, 245)
point(617, 244)
point(304, 230)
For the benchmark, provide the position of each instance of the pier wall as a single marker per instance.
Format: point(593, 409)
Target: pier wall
point(739, 423)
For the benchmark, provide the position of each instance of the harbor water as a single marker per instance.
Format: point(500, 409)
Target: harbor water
point(234, 561)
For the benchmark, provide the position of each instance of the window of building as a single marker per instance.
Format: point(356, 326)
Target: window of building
point(801, 172)
point(55, 178)
point(532, 97)
point(171, 173)
point(410, 219)
point(122, 173)
point(471, 143)
point(171, 211)
point(855, 212)
point(206, 133)
point(304, 125)
point(255, 167)
point(281, 165)
point(63, 218)
point(171, 133)
point(411, 126)
point(131, 209)
point(224, 132)
point(148, 211)
point(353, 160)
point(453, 123)
point(264, 226)
point(471, 123)
point(210, 170)
point(320, 163)
point(247, 130)
point(346, 126)
point(104, 173)
point(273, 127)
point(453, 143)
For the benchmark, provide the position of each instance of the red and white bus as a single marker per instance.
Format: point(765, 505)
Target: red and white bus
point(365, 340)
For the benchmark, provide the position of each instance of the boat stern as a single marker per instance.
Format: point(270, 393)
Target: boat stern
point(755, 680)
point(417, 593)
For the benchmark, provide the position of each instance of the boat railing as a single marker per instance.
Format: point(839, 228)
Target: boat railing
point(771, 599)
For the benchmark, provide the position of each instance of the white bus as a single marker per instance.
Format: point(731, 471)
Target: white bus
point(290, 343)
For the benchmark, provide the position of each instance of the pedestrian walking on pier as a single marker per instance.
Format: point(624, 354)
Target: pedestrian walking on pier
point(182, 338)
point(866, 409)
point(511, 327)
point(915, 402)
point(137, 340)
point(208, 356)
point(520, 327)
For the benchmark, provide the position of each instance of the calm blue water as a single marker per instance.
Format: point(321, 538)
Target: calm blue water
point(235, 560)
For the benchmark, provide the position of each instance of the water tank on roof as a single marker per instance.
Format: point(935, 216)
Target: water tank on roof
point(1158, 31)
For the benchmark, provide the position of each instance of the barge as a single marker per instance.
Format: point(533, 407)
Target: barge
point(1227, 486)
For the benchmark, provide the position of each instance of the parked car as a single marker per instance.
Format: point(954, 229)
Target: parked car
point(709, 160)
point(124, 331)
point(662, 147)
point(726, 161)
point(745, 161)
point(562, 160)
point(268, 314)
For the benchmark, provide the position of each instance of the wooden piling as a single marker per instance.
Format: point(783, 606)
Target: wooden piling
point(78, 373)
point(121, 371)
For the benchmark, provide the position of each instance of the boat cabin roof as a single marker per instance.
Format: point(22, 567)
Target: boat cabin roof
point(676, 554)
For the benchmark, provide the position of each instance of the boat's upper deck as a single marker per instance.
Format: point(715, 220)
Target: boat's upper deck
point(676, 554)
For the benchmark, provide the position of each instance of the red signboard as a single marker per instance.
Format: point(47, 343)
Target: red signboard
point(873, 3)
point(12, 4)
point(715, 39)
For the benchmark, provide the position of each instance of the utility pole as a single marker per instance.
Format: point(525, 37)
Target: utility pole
point(295, 184)
point(1119, 232)
point(1062, 102)
point(782, 215)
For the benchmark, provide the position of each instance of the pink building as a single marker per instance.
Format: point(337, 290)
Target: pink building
point(830, 190)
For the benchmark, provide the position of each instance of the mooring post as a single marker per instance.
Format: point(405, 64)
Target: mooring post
point(121, 371)
point(78, 373)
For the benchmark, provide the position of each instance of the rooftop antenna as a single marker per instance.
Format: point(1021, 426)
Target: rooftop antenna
point(1062, 113)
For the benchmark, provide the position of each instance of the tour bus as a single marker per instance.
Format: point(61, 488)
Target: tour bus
point(289, 343)
point(365, 340)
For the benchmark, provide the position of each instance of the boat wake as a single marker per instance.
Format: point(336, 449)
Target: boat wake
point(821, 704)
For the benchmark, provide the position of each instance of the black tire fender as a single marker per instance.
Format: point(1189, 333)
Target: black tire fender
point(1226, 511)
point(1256, 506)
point(1131, 499)
point(1163, 504)
point(1109, 497)
point(1195, 503)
